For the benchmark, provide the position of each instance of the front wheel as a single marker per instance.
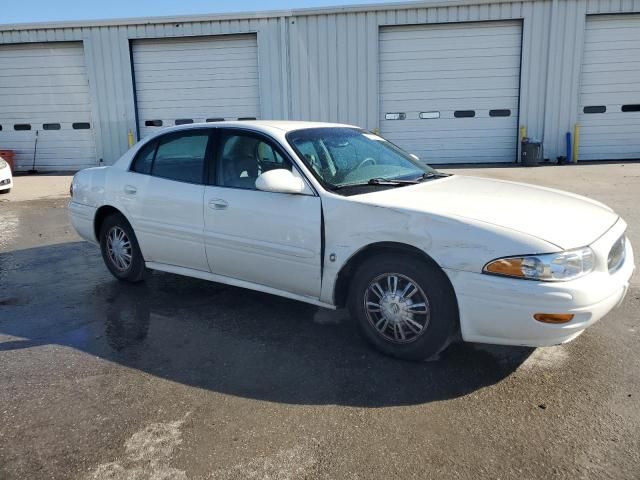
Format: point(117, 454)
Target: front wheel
point(405, 307)
point(120, 250)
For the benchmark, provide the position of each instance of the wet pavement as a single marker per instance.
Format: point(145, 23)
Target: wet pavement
point(178, 378)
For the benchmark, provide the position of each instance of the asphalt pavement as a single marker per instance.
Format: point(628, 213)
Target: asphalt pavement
point(178, 378)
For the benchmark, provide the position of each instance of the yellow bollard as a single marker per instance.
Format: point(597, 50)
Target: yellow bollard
point(523, 132)
point(576, 142)
point(130, 138)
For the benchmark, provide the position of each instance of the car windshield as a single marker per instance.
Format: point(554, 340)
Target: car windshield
point(343, 156)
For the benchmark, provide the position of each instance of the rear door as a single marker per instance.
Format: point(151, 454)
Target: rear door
point(164, 193)
point(272, 239)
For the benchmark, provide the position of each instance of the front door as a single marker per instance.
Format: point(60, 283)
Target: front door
point(271, 239)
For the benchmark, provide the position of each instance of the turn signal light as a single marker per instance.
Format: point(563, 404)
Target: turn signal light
point(511, 267)
point(553, 317)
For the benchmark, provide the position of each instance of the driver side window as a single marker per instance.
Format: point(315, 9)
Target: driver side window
point(242, 158)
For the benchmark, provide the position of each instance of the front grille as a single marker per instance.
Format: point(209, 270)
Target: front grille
point(616, 255)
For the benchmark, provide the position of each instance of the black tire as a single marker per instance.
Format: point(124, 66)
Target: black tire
point(135, 270)
point(440, 315)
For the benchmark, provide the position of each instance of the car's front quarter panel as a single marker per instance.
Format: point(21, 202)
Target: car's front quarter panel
point(501, 310)
point(454, 244)
point(493, 309)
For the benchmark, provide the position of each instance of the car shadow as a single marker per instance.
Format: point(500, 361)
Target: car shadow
point(222, 338)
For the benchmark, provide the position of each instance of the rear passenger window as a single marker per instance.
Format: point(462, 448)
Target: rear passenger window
point(144, 158)
point(181, 157)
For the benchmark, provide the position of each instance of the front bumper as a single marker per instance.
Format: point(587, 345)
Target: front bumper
point(500, 310)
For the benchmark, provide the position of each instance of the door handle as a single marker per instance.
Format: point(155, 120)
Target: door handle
point(218, 204)
point(130, 190)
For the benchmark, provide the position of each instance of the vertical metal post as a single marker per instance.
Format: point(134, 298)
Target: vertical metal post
point(576, 142)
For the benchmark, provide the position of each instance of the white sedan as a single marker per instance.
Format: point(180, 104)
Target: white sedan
point(336, 216)
point(6, 179)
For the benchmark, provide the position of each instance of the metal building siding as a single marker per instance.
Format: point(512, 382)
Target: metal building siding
point(334, 58)
point(110, 75)
point(338, 80)
point(45, 85)
point(610, 79)
point(612, 6)
point(333, 65)
point(566, 33)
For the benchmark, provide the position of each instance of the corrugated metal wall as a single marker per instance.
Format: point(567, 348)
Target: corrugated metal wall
point(324, 65)
point(109, 69)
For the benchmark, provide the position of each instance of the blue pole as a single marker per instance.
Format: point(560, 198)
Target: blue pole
point(569, 147)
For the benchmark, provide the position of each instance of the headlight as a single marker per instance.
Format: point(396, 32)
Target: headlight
point(552, 267)
point(3, 164)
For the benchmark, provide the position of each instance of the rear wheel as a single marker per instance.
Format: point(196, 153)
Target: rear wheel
point(405, 307)
point(120, 250)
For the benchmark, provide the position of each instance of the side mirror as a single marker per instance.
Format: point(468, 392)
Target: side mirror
point(280, 180)
point(415, 157)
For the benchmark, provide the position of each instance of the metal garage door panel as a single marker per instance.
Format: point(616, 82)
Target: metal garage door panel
point(196, 78)
point(449, 68)
point(43, 84)
point(610, 78)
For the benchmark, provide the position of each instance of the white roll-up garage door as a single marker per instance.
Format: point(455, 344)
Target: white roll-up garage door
point(609, 104)
point(195, 79)
point(44, 94)
point(449, 93)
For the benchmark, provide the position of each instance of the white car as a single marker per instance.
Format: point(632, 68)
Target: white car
point(336, 216)
point(6, 179)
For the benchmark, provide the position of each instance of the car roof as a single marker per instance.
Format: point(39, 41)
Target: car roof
point(265, 126)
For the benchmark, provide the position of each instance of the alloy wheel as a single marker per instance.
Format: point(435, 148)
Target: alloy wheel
point(119, 248)
point(397, 308)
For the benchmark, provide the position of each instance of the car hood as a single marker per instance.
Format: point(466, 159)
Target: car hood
point(564, 219)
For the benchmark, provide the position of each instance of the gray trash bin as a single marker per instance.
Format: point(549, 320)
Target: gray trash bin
point(531, 153)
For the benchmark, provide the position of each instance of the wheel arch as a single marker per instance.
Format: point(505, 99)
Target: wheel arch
point(346, 273)
point(101, 214)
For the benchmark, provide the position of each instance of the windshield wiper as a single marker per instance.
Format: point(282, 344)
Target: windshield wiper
point(390, 181)
point(428, 175)
point(376, 181)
